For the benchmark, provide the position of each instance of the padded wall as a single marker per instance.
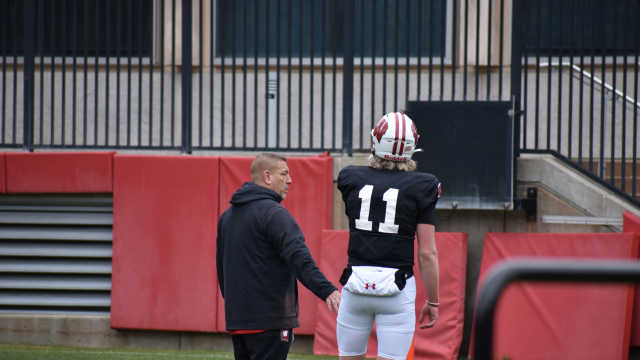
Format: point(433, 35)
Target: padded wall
point(631, 223)
point(561, 320)
point(441, 342)
point(164, 231)
point(309, 200)
point(3, 173)
point(74, 172)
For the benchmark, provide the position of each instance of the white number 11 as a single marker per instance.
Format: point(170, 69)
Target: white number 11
point(391, 198)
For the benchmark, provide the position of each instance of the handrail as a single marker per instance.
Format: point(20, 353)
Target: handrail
point(595, 79)
point(536, 269)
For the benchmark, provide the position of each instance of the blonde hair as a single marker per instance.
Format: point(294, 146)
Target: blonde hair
point(262, 162)
point(383, 164)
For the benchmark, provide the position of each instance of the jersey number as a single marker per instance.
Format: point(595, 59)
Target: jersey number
point(391, 198)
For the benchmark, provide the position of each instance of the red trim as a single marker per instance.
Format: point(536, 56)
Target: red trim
point(395, 144)
point(245, 332)
point(404, 134)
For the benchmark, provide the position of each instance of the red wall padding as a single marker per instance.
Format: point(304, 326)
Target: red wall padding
point(560, 320)
point(442, 341)
point(76, 172)
point(164, 253)
point(310, 201)
point(631, 223)
point(3, 173)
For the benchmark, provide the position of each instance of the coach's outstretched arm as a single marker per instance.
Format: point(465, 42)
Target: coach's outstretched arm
point(428, 262)
point(289, 241)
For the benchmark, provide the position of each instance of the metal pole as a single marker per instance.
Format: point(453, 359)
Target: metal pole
point(29, 78)
point(347, 94)
point(187, 72)
point(516, 68)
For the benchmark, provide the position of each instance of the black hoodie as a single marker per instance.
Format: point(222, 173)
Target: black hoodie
point(260, 253)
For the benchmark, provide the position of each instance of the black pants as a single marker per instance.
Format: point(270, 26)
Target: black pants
point(268, 345)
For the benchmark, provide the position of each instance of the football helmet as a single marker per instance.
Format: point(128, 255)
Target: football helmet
point(394, 137)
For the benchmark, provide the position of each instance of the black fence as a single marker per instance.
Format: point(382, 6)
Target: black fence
point(313, 76)
point(263, 74)
point(580, 86)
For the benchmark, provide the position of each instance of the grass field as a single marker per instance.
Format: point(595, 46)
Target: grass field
point(21, 352)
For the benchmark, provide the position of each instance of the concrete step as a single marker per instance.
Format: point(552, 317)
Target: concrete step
point(573, 186)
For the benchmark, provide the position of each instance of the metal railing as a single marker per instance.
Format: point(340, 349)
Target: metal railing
point(582, 74)
point(285, 75)
point(620, 172)
point(579, 96)
point(511, 271)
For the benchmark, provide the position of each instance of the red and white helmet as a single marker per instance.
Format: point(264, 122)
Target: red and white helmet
point(394, 137)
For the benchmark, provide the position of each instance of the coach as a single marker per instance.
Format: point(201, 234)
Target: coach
point(260, 254)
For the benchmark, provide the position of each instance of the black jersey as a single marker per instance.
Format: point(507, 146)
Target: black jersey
point(384, 208)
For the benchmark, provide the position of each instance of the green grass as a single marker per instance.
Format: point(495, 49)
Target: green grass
point(23, 352)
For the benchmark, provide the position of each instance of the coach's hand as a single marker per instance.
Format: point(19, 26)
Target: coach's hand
point(333, 301)
point(432, 312)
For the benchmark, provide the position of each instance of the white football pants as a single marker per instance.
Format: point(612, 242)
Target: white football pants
point(395, 319)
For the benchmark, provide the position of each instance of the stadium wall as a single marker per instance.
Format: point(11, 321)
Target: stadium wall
point(540, 172)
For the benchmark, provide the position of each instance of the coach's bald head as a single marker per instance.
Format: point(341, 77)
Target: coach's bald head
point(271, 171)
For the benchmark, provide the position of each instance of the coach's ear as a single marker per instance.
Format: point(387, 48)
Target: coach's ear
point(266, 177)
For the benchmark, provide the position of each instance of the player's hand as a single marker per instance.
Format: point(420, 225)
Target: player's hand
point(333, 301)
point(431, 312)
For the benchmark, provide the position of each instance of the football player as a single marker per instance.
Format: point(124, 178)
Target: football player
point(387, 204)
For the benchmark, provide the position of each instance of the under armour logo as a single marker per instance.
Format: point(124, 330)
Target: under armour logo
point(380, 129)
point(373, 286)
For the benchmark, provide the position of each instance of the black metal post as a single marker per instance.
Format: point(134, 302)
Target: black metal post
point(516, 69)
point(347, 94)
point(187, 71)
point(29, 78)
point(539, 270)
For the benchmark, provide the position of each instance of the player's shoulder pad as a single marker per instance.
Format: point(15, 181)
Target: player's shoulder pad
point(424, 177)
point(348, 169)
point(427, 183)
point(347, 173)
